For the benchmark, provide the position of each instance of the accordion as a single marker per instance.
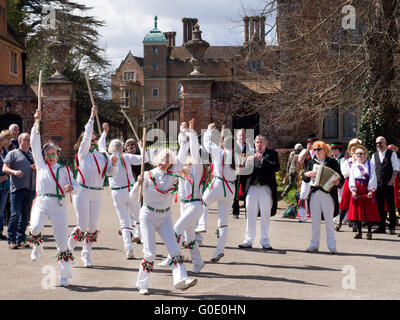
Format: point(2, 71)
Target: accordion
point(324, 177)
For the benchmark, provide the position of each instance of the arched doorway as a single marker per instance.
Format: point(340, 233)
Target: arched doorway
point(9, 118)
point(251, 121)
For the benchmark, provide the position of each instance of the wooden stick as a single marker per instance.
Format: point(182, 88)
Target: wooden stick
point(92, 100)
point(140, 199)
point(130, 123)
point(221, 141)
point(39, 95)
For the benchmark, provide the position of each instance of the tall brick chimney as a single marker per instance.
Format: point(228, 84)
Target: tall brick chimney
point(170, 37)
point(254, 30)
point(188, 24)
point(246, 30)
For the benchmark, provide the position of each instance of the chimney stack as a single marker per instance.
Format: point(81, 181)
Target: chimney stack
point(188, 24)
point(254, 30)
point(171, 38)
point(246, 30)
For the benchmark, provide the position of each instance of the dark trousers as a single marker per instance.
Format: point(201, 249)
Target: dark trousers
point(235, 204)
point(382, 194)
point(21, 204)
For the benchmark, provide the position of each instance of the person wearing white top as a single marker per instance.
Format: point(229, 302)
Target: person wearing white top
point(93, 168)
point(221, 189)
point(53, 182)
point(387, 167)
point(155, 215)
point(363, 184)
point(121, 184)
point(191, 202)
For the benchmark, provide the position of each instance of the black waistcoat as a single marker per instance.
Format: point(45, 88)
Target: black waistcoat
point(384, 170)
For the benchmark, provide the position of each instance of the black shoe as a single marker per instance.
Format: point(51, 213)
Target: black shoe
point(338, 226)
point(358, 235)
point(245, 246)
point(269, 248)
point(392, 231)
point(13, 245)
point(23, 244)
point(379, 230)
point(369, 235)
point(3, 237)
point(235, 216)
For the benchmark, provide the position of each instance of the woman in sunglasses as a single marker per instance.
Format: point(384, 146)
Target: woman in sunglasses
point(92, 167)
point(322, 201)
point(363, 184)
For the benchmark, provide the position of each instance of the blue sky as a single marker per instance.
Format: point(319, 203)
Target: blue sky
point(128, 21)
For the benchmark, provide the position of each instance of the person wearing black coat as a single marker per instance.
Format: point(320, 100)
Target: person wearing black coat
point(261, 192)
point(322, 201)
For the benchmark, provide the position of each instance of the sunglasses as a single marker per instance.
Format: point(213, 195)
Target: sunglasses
point(317, 149)
point(379, 143)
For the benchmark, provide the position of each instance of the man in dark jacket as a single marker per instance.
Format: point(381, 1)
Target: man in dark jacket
point(261, 192)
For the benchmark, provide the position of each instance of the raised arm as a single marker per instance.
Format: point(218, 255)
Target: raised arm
point(86, 142)
point(35, 143)
point(103, 137)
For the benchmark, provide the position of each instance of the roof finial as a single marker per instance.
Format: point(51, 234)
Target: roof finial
point(155, 22)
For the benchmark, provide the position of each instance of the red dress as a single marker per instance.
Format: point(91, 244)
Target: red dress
point(346, 196)
point(362, 208)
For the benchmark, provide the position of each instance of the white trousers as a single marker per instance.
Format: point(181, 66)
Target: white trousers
point(304, 191)
point(125, 208)
point(186, 224)
point(224, 204)
point(258, 199)
point(150, 222)
point(49, 208)
point(87, 205)
point(203, 218)
point(322, 202)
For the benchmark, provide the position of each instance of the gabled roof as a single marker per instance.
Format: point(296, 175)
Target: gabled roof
point(139, 61)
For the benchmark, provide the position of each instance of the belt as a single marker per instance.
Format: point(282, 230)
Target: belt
point(51, 195)
point(156, 210)
point(90, 188)
point(120, 188)
point(190, 200)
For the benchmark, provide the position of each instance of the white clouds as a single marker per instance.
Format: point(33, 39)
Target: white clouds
point(128, 21)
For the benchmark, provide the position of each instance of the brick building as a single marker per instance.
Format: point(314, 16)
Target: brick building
point(18, 101)
point(170, 92)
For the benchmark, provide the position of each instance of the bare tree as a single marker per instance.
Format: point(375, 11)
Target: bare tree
point(326, 62)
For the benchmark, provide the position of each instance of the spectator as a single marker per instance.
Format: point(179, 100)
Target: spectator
point(14, 129)
point(7, 146)
point(387, 167)
point(4, 190)
point(20, 166)
point(292, 168)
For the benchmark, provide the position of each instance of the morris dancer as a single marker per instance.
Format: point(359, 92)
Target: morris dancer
point(191, 203)
point(53, 181)
point(345, 167)
point(155, 215)
point(132, 147)
point(322, 201)
point(92, 168)
point(121, 184)
point(395, 149)
point(363, 184)
point(222, 186)
point(304, 158)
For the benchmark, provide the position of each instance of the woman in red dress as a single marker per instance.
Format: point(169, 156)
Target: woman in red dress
point(363, 184)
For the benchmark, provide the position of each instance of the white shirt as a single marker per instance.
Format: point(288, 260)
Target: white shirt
point(87, 163)
point(120, 177)
point(45, 183)
point(345, 166)
point(218, 156)
point(393, 159)
point(355, 173)
point(195, 172)
point(163, 180)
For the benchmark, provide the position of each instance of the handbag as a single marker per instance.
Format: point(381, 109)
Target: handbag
point(290, 212)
